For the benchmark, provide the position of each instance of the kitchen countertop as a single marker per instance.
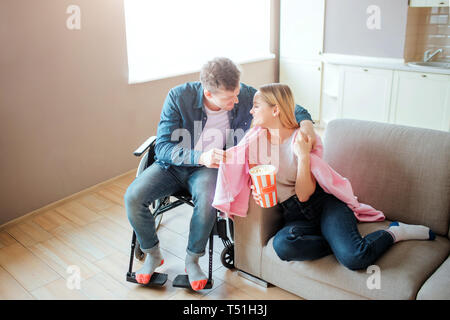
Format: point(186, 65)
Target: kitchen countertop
point(381, 63)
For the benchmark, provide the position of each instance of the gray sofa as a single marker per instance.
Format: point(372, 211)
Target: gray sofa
point(402, 171)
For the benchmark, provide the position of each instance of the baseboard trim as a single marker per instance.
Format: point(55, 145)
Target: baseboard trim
point(58, 203)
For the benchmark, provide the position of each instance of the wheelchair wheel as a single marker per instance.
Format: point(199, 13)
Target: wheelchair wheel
point(227, 257)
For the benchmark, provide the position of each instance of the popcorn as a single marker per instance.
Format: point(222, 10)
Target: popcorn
point(264, 180)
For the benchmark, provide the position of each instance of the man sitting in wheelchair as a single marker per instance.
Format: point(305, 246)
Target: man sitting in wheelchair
point(198, 121)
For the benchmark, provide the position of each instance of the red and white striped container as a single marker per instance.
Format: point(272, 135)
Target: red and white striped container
point(264, 180)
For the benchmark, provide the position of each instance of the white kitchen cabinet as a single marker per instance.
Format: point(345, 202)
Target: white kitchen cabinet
point(418, 3)
point(364, 93)
point(304, 79)
point(330, 88)
point(301, 47)
point(421, 100)
point(428, 3)
point(301, 28)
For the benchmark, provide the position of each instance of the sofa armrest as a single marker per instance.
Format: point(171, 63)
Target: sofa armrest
point(251, 234)
point(437, 287)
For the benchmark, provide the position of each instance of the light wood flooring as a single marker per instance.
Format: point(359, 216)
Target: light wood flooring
point(91, 232)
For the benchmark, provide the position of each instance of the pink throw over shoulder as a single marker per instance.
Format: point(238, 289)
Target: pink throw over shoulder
point(233, 181)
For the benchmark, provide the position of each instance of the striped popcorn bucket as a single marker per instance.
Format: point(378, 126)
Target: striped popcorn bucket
point(263, 178)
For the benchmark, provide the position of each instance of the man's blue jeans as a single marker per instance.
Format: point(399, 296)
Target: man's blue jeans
point(323, 226)
point(156, 182)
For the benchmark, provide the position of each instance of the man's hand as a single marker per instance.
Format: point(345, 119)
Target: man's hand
point(212, 158)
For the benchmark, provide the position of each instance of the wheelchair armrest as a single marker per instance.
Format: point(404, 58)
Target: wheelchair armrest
point(139, 151)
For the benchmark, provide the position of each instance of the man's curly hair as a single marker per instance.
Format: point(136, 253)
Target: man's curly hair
point(220, 73)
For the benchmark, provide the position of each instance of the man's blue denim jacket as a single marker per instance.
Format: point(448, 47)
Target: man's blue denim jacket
point(183, 118)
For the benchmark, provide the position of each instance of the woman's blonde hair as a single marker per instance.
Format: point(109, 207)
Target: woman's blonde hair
point(281, 95)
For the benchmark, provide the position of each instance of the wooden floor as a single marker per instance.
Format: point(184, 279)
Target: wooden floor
point(39, 255)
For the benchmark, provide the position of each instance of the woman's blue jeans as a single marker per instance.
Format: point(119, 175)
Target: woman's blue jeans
point(156, 182)
point(325, 225)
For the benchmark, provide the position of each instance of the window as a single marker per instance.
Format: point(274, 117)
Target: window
point(173, 37)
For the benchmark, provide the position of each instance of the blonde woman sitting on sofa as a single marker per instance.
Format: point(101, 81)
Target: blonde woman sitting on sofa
point(316, 223)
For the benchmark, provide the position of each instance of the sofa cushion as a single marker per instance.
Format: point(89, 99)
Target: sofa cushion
point(402, 171)
point(403, 270)
point(437, 287)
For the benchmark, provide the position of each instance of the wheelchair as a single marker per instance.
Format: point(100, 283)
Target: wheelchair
point(161, 206)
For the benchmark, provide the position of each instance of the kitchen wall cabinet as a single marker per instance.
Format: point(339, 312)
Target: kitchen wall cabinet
point(428, 3)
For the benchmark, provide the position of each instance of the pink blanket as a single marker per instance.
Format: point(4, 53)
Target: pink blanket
point(233, 181)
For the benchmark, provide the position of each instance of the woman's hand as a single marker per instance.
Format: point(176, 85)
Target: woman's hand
point(307, 127)
point(256, 196)
point(302, 145)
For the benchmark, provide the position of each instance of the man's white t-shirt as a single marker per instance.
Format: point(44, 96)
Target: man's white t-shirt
point(214, 132)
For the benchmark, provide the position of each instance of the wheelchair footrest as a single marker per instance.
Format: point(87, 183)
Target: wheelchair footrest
point(182, 281)
point(157, 279)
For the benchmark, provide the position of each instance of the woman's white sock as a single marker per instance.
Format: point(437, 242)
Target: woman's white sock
point(402, 231)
